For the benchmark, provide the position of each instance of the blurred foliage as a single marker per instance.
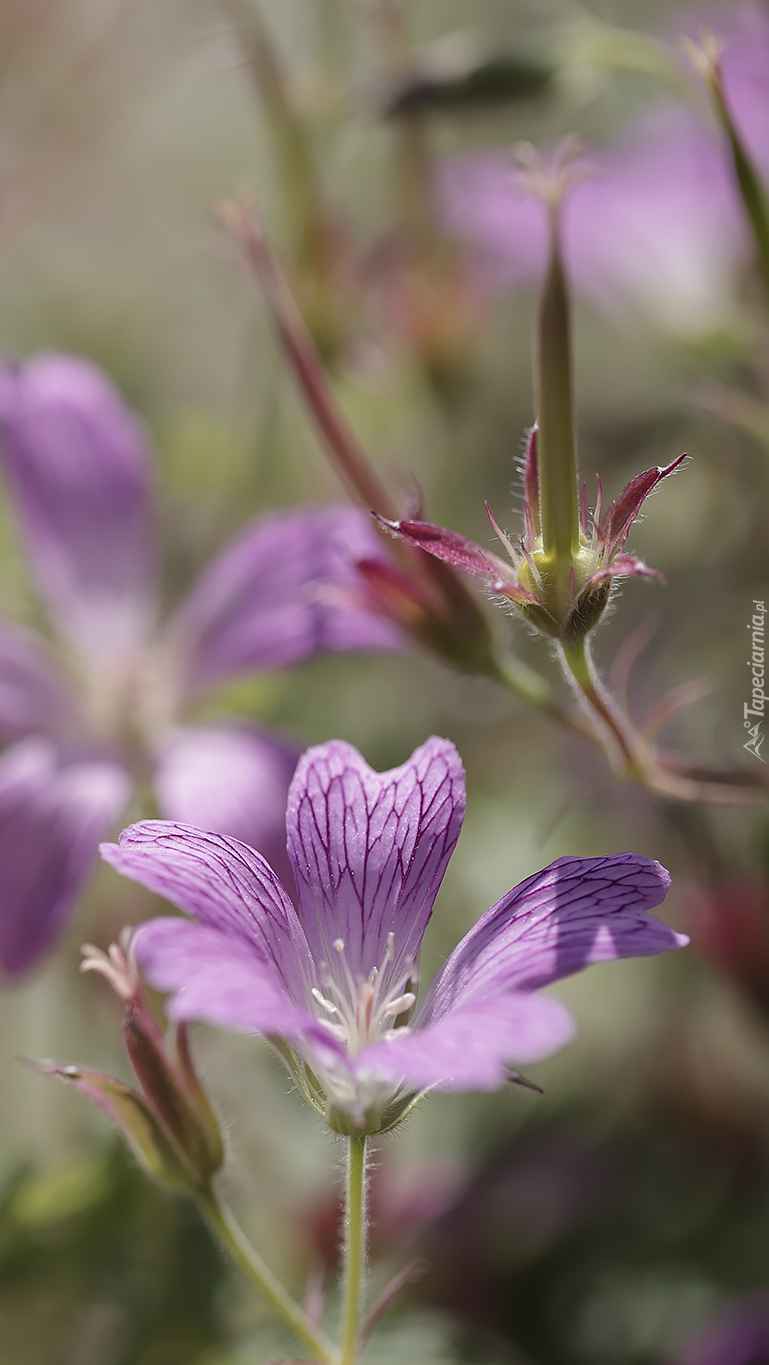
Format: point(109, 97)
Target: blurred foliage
point(98, 1267)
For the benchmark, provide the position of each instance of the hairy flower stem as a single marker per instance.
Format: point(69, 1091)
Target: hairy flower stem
point(354, 1250)
point(579, 664)
point(239, 1249)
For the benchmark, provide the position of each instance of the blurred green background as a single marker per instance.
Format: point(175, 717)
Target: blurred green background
point(602, 1221)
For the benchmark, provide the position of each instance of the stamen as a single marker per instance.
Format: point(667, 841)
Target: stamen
point(119, 972)
point(323, 1002)
point(399, 1006)
point(365, 1007)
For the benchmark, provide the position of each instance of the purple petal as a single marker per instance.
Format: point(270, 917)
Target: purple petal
point(223, 884)
point(212, 978)
point(473, 1046)
point(51, 820)
point(577, 912)
point(285, 589)
point(34, 697)
point(369, 849)
point(230, 780)
point(77, 464)
point(460, 553)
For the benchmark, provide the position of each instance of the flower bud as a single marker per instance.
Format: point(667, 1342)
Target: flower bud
point(167, 1091)
point(169, 1123)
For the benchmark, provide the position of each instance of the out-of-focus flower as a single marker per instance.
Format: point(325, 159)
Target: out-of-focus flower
point(169, 1124)
point(659, 229)
point(730, 926)
point(526, 580)
point(108, 711)
point(738, 1335)
point(332, 981)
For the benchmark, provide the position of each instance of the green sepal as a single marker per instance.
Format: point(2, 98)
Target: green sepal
point(134, 1118)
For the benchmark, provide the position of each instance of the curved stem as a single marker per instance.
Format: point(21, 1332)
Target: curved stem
point(579, 664)
point(354, 1249)
point(535, 690)
point(239, 1249)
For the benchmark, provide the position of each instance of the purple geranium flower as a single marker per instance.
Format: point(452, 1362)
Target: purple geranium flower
point(332, 979)
point(105, 709)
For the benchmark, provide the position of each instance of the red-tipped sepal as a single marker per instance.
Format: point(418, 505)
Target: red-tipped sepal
point(461, 553)
point(615, 526)
point(132, 1115)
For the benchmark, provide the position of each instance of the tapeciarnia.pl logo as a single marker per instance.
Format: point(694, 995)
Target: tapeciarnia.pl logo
point(753, 711)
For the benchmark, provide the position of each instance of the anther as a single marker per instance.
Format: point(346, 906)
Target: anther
point(338, 945)
point(323, 1002)
point(399, 1006)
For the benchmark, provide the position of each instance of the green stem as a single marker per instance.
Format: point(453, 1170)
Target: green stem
point(354, 1250)
point(580, 667)
point(555, 401)
point(247, 1260)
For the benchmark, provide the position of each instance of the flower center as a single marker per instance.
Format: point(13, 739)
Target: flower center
point(358, 1010)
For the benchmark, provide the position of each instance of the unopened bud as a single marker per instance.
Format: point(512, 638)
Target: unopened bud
point(166, 1089)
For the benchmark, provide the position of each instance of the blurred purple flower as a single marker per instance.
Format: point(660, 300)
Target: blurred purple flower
point(738, 1335)
point(660, 226)
point(106, 713)
point(335, 976)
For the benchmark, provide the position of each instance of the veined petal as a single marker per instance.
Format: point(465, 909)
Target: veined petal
point(52, 817)
point(461, 553)
point(77, 463)
point(213, 979)
point(285, 589)
point(615, 525)
point(577, 912)
point(473, 1046)
point(225, 885)
point(369, 849)
point(231, 780)
point(34, 698)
